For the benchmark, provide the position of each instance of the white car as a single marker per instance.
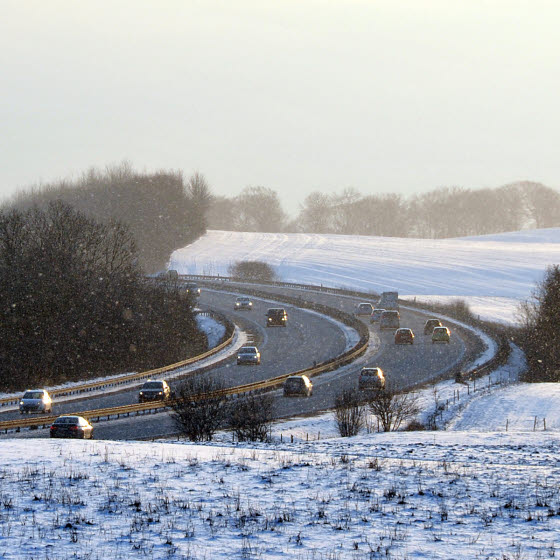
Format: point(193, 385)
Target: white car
point(35, 400)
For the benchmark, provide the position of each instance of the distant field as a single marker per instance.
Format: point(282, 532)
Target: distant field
point(492, 272)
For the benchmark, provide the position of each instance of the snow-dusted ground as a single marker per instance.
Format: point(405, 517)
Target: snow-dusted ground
point(496, 271)
point(406, 496)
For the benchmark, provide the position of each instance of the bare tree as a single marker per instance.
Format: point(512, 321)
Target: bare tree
point(392, 408)
point(259, 209)
point(200, 408)
point(349, 413)
point(250, 417)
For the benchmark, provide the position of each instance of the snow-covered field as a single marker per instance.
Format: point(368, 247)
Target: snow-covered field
point(406, 495)
point(493, 273)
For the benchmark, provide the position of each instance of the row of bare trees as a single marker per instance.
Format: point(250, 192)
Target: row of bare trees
point(441, 213)
point(75, 302)
point(201, 408)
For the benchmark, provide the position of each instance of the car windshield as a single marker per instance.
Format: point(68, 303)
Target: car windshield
point(369, 372)
point(33, 395)
point(275, 312)
point(243, 299)
point(153, 385)
point(248, 350)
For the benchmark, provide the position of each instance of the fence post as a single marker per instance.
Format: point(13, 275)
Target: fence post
point(535, 424)
point(507, 422)
point(544, 424)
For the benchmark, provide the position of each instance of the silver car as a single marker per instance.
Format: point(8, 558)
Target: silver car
point(248, 355)
point(35, 400)
point(371, 378)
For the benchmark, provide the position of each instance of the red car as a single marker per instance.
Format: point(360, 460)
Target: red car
point(404, 336)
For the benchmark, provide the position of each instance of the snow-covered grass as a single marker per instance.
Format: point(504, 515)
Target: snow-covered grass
point(405, 496)
point(496, 271)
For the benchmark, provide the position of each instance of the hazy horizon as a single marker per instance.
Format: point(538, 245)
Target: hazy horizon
point(297, 96)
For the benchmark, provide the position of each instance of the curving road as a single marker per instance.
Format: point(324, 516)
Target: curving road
point(283, 350)
point(307, 338)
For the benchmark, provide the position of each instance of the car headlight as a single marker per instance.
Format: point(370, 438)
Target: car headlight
point(160, 393)
point(141, 392)
point(21, 403)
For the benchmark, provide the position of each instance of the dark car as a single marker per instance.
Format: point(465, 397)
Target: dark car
point(430, 325)
point(298, 386)
point(404, 336)
point(364, 308)
point(71, 427)
point(390, 320)
point(192, 289)
point(276, 317)
point(376, 315)
point(154, 391)
point(243, 303)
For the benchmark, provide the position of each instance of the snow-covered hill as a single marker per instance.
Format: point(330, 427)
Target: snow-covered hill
point(493, 273)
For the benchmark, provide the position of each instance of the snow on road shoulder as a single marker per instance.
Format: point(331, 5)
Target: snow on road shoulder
point(214, 330)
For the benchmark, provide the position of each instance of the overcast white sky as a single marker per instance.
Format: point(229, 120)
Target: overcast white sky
point(384, 96)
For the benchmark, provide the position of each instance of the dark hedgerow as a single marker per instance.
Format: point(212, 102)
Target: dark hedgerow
point(253, 270)
point(75, 304)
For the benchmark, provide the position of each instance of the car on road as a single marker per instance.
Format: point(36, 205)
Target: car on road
point(243, 303)
point(404, 336)
point(364, 308)
point(248, 355)
point(376, 315)
point(430, 325)
point(192, 289)
point(298, 386)
point(371, 378)
point(71, 427)
point(35, 400)
point(390, 320)
point(276, 317)
point(441, 334)
point(154, 391)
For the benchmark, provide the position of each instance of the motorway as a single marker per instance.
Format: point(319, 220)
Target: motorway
point(308, 338)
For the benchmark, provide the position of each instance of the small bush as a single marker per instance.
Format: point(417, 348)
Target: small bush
point(250, 418)
point(349, 413)
point(200, 408)
point(415, 426)
point(252, 270)
point(392, 409)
